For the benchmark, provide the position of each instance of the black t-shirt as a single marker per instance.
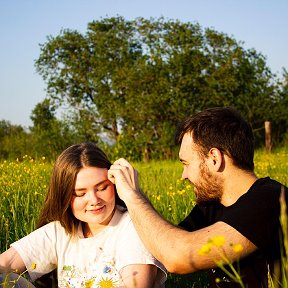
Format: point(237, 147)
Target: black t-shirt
point(256, 216)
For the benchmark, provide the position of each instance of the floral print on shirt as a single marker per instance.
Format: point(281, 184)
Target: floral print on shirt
point(101, 275)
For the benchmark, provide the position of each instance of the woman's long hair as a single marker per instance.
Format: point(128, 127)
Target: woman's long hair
point(62, 184)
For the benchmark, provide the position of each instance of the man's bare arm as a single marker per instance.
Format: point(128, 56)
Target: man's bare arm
point(177, 249)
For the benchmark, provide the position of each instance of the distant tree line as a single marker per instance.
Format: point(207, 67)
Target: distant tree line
point(126, 85)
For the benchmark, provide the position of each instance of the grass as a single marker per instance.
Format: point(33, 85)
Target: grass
point(23, 186)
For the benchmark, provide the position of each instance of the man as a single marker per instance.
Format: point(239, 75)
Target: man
point(232, 203)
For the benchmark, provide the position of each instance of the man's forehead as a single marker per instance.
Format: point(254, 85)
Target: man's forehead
point(186, 145)
point(187, 140)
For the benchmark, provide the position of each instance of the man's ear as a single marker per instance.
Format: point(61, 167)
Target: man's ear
point(215, 159)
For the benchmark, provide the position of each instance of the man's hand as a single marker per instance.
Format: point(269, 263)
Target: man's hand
point(125, 177)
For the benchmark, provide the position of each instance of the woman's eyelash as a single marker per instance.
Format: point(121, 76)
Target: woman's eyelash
point(99, 189)
point(103, 188)
point(79, 195)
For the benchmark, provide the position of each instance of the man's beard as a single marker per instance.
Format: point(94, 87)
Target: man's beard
point(208, 188)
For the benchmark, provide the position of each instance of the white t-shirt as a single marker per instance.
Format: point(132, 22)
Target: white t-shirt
point(86, 262)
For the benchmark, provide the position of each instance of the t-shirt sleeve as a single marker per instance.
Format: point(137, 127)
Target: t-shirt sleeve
point(256, 215)
point(194, 221)
point(132, 251)
point(38, 250)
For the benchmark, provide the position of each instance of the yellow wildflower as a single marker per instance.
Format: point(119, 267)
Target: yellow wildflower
point(205, 249)
point(217, 280)
point(218, 241)
point(237, 248)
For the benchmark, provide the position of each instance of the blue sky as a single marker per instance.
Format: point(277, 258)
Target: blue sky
point(24, 24)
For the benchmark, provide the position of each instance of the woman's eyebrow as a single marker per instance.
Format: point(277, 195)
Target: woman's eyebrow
point(102, 182)
point(96, 185)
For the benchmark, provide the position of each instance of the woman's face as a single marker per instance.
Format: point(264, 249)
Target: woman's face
point(93, 199)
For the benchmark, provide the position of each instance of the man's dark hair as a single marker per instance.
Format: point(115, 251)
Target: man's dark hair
point(223, 128)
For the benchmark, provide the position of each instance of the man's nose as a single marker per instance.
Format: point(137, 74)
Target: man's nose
point(184, 173)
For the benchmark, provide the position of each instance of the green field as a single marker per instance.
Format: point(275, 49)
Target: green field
point(23, 185)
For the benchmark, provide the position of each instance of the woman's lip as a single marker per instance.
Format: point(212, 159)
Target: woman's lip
point(95, 211)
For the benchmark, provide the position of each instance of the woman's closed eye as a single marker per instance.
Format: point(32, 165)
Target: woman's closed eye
point(79, 193)
point(102, 187)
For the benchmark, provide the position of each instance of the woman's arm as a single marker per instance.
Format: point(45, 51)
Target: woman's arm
point(139, 275)
point(10, 261)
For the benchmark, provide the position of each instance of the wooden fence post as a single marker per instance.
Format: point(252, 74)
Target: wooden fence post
point(268, 136)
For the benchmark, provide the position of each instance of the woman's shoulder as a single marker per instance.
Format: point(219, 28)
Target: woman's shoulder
point(121, 215)
point(51, 229)
point(52, 225)
point(121, 221)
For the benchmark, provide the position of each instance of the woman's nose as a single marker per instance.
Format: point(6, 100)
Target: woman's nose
point(93, 196)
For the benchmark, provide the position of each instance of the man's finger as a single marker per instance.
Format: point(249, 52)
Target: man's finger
point(111, 176)
point(118, 171)
point(123, 162)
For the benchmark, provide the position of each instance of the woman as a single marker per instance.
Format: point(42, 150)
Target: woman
point(84, 230)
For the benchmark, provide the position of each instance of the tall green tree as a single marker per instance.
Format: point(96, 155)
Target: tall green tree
point(279, 115)
point(135, 80)
point(50, 136)
point(87, 71)
point(14, 140)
